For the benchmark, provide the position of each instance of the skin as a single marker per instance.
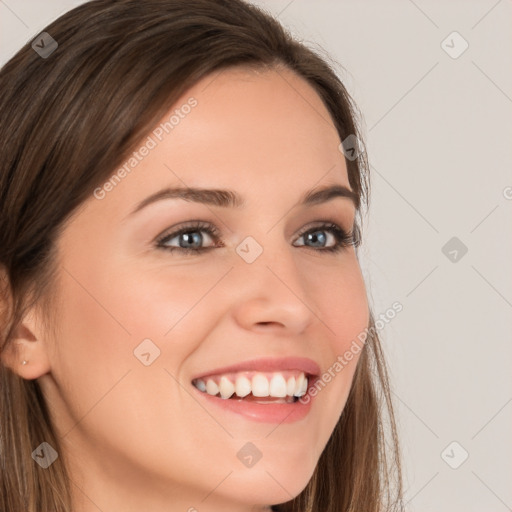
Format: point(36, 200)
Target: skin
point(134, 436)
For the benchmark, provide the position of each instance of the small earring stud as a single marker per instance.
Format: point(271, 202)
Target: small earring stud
point(24, 362)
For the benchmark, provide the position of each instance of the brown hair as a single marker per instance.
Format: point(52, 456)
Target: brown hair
point(67, 121)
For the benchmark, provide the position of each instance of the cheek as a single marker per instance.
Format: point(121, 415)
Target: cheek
point(115, 311)
point(95, 343)
point(156, 300)
point(343, 310)
point(342, 304)
point(114, 404)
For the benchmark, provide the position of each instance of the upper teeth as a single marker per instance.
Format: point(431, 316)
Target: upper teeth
point(276, 384)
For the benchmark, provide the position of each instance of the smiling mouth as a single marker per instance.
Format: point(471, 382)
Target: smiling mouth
point(257, 387)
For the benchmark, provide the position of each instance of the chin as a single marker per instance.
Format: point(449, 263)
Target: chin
point(267, 484)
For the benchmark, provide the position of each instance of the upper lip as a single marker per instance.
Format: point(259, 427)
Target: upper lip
point(268, 364)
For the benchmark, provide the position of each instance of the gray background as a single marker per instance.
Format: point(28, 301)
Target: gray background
point(438, 132)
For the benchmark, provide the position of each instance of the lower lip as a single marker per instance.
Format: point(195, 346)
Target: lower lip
point(267, 413)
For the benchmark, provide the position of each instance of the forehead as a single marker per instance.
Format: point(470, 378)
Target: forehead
point(259, 111)
point(258, 126)
point(264, 133)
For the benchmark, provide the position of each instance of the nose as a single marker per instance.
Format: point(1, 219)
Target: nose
point(270, 294)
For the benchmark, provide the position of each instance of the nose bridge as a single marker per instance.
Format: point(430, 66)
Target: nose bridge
point(263, 256)
point(269, 285)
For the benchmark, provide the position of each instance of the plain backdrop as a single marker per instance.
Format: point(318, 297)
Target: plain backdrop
point(434, 83)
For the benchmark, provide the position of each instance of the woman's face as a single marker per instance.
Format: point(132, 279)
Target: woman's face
point(137, 323)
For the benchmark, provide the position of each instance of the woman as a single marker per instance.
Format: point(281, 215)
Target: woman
point(180, 184)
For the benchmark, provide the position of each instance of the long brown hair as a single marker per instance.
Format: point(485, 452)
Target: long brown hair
point(66, 122)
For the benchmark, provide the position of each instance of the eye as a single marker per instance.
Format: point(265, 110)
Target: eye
point(191, 239)
point(342, 239)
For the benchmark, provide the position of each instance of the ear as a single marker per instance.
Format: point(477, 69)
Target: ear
point(28, 344)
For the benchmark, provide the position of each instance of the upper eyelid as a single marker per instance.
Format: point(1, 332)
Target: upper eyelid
point(193, 226)
point(320, 224)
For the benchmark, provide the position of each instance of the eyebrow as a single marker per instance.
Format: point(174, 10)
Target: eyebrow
point(231, 199)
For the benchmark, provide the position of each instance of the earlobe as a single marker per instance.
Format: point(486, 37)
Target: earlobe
point(26, 354)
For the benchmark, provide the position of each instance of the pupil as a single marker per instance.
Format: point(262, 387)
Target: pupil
point(189, 239)
point(314, 237)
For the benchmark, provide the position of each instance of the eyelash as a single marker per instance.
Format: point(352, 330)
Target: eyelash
point(343, 239)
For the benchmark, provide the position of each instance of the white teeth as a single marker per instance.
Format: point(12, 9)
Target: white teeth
point(211, 387)
point(201, 385)
point(242, 386)
point(260, 385)
point(290, 386)
point(226, 387)
point(277, 386)
point(304, 387)
point(298, 384)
